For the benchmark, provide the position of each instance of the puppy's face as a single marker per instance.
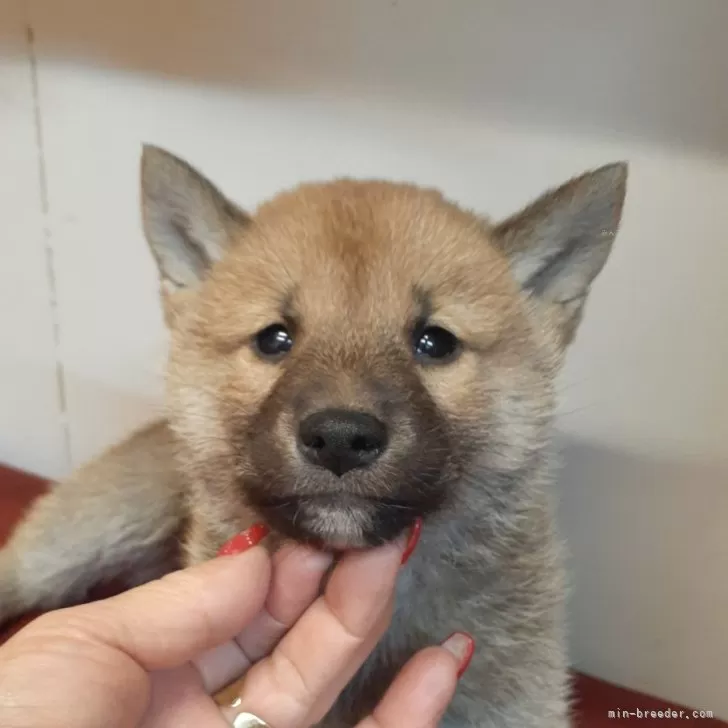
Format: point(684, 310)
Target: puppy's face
point(343, 359)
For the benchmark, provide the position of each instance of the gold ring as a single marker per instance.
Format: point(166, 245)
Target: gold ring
point(242, 720)
point(248, 720)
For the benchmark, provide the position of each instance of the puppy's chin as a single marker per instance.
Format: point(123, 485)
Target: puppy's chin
point(337, 522)
point(338, 526)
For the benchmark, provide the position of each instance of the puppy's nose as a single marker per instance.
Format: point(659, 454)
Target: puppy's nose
point(341, 440)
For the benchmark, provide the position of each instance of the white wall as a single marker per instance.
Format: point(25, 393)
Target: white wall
point(491, 101)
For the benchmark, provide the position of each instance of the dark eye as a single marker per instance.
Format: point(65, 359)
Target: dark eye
point(434, 342)
point(274, 341)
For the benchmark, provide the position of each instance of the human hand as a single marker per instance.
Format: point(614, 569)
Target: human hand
point(151, 658)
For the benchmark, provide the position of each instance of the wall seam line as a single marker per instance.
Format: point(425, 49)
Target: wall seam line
point(48, 245)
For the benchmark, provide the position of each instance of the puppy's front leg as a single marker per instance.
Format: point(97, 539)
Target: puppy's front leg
point(112, 518)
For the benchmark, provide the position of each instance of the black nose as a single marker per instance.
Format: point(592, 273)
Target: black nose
point(341, 440)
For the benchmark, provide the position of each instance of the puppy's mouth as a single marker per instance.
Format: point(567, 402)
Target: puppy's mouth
point(338, 521)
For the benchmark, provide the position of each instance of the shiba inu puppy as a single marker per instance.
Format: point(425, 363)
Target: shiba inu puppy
point(352, 357)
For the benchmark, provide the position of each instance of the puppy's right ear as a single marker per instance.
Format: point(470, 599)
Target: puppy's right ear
point(189, 224)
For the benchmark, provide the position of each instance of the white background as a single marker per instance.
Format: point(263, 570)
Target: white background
point(492, 102)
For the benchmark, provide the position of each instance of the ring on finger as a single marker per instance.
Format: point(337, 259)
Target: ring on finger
point(243, 720)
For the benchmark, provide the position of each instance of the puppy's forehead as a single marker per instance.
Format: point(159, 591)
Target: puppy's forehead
point(350, 246)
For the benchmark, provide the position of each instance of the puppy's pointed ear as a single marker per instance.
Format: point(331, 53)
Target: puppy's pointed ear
point(558, 244)
point(188, 222)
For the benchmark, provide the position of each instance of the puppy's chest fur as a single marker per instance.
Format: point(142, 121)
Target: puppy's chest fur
point(508, 596)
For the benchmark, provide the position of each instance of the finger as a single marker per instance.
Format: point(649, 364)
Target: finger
point(295, 583)
point(177, 700)
point(168, 622)
point(299, 681)
point(423, 689)
point(297, 575)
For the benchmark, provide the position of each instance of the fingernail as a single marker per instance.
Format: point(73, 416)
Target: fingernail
point(462, 646)
point(245, 540)
point(412, 539)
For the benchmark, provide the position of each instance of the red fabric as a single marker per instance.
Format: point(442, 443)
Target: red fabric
point(593, 700)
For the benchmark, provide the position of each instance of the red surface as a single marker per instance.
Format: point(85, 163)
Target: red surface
point(593, 699)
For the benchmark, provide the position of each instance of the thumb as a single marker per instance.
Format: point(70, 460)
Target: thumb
point(168, 622)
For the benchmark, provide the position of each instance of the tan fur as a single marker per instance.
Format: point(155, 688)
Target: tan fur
point(353, 268)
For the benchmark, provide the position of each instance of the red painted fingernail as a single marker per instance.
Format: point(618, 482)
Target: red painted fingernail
point(462, 646)
point(412, 539)
point(245, 540)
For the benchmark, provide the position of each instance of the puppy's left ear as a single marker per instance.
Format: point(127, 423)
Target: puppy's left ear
point(559, 244)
